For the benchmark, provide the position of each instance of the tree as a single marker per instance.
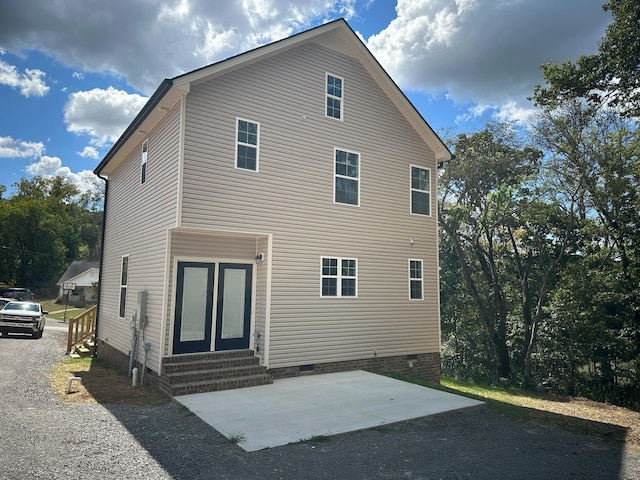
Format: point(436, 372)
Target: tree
point(45, 225)
point(610, 77)
point(507, 242)
point(593, 335)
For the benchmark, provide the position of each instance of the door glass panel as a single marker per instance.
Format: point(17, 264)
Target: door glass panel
point(233, 303)
point(194, 304)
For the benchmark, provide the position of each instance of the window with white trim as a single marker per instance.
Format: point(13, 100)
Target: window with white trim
point(347, 177)
point(143, 163)
point(124, 279)
point(247, 144)
point(334, 95)
point(339, 277)
point(416, 290)
point(420, 191)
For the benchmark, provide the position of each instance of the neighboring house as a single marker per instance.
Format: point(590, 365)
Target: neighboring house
point(84, 277)
point(281, 201)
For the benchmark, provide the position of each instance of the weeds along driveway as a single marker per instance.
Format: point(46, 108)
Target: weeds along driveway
point(43, 438)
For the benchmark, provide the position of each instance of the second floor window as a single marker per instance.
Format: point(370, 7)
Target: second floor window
point(334, 94)
point(347, 177)
point(247, 144)
point(143, 164)
point(420, 191)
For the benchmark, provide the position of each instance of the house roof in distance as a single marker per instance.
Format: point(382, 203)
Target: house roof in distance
point(336, 35)
point(77, 267)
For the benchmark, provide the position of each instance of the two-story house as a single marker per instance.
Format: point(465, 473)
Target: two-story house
point(275, 208)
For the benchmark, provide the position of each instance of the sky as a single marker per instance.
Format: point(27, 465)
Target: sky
point(74, 73)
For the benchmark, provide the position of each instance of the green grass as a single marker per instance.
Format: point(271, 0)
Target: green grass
point(505, 401)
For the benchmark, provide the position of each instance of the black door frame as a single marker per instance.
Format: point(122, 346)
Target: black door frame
point(239, 343)
point(193, 346)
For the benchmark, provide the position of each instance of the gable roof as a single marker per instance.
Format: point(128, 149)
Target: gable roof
point(337, 35)
point(77, 267)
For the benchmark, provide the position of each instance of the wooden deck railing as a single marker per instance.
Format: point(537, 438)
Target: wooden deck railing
point(81, 327)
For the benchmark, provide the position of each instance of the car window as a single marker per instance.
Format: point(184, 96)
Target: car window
point(29, 307)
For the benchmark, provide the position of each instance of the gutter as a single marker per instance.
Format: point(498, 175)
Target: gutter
point(104, 223)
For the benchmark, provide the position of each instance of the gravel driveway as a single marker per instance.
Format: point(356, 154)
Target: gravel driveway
point(41, 438)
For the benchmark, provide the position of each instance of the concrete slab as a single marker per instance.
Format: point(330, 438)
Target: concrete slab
point(294, 409)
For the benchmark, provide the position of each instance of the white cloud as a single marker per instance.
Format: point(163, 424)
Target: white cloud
point(48, 167)
point(89, 152)
point(146, 41)
point(30, 83)
point(11, 148)
point(78, 75)
point(485, 51)
point(101, 114)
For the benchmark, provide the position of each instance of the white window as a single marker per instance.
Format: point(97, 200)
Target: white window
point(420, 191)
point(347, 177)
point(143, 164)
point(416, 290)
point(124, 279)
point(339, 277)
point(334, 95)
point(247, 144)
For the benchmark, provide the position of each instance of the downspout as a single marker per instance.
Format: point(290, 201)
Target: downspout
point(104, 222)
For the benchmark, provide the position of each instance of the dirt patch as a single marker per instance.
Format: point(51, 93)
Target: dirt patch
point(601, 418)
point(101, 383)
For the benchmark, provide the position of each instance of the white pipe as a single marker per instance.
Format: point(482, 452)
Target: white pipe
point(134, 377)
point(70, 381)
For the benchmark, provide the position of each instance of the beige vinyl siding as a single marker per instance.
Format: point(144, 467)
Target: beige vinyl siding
point(138, 217)
point(292, 198)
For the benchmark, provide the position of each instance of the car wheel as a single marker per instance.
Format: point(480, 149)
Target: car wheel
point(37, 334)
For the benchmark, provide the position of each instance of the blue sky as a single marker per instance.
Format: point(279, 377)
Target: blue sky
point(73, 74)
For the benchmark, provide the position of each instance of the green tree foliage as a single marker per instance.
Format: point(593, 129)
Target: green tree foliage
point(593, 336)
point(45, 225)
point(610, 77)
point(504, 242)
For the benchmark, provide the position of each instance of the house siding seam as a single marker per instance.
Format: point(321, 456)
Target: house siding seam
point(292, 199)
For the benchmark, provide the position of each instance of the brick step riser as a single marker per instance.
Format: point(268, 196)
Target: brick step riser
point(214, 386)
point(196, 357)
point(210, 365)
point(193, 377)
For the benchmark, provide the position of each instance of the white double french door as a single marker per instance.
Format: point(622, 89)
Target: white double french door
point(212, 300)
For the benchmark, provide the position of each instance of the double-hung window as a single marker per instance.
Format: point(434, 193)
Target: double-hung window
point(339, 277)
point(334, 96)
point(347, 177)
point(247, 144)
point(124, 279)
point(416, 290)
point(420, 191)
point(143, 164)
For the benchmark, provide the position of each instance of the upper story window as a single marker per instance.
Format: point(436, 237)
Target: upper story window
point(143, 164)
point(339, 277)
point(124, 280)
point(334, 96)
point(415, 280)
point(247, 144)
point(347, 177)
point(420, 191)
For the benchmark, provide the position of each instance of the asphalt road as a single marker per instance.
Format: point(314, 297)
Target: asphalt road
point(41, 438)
